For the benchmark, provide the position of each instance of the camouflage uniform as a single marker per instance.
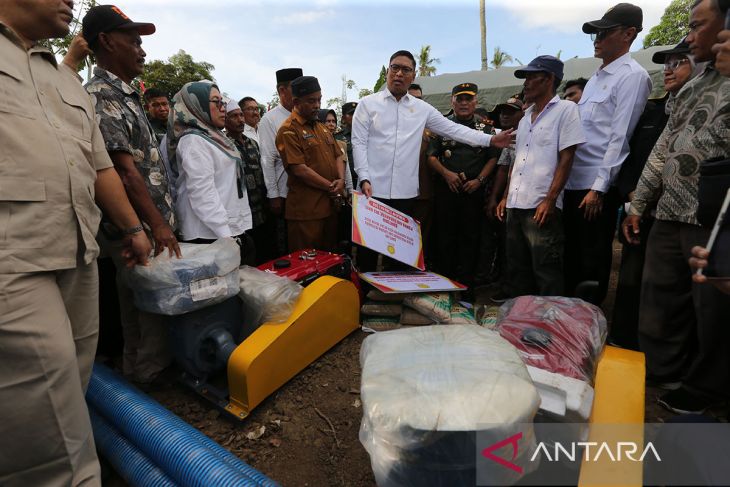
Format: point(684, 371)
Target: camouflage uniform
point(254, 178)
point(125, 128)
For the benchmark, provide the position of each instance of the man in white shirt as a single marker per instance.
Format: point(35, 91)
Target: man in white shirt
point(612, 102)
point(251, 117)
point(547, 138)
point(387, 130)
point(271, 163)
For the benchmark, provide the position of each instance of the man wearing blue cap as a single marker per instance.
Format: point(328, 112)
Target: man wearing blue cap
point(547, 138)
point(612, 102)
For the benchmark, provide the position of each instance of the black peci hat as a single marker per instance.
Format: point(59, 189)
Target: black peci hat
point(305, 85)
point(288, 74)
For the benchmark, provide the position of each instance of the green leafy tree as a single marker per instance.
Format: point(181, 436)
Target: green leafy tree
point(500, 58)
point(426, 62)
point(274, 101)
point(672, 27)
point(364, 92)
point(179, 69)
point(381, 80)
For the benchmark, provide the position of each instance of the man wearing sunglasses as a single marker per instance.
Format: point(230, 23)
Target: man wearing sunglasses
point(387, 131)
point(612, 102)
point(132, 145)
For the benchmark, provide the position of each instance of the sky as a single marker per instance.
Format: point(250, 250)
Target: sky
point(248, 40)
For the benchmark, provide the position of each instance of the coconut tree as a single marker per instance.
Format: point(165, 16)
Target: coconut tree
point(483, 25)
point(500, 58)
point(426, 62)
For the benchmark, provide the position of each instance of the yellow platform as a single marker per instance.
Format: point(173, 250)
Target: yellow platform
point(326, 312)
point(618, 406)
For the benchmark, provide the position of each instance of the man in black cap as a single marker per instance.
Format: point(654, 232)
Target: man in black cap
point(462, 176)
point(679, 68)
point(133, 147)
point(610, 107)
point(316, 168)
point(346, 134)
point(547, 138)
point(271, 163)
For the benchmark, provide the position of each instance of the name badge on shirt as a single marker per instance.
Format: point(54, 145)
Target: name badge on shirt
point(307, 135)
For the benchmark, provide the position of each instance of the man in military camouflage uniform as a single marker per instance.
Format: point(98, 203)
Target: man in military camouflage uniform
point(462, 173)
point(132, 146)
point(263, 232)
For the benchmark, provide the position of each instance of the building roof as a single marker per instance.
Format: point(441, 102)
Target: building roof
point(497, 85)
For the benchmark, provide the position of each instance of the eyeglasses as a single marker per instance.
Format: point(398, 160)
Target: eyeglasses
point(602, 34)
point(251, 109)
point(397, 68)
point(219, 103)
point(672, 65)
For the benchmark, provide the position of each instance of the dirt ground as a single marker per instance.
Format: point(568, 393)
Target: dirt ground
point(306, 434)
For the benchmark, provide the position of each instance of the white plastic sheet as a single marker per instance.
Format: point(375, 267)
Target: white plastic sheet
point(206, 274)
point(426, 392)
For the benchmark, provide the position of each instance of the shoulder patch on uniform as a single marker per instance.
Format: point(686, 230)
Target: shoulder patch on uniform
point(289, 132)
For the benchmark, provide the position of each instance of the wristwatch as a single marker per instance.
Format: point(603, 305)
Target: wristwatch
point(481, 179)
point(132, 230)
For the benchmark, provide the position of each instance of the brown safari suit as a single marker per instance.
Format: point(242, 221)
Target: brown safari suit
point(51, 151)
point(310, 213)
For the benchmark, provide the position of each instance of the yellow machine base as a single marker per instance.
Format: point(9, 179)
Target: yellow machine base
point(619, 405)
point(326, 312)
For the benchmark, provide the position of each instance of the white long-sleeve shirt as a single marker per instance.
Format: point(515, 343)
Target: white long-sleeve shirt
point(207, 203)
point(386, 141)
point(610, 107)
point(251, 132)
point(271, 163)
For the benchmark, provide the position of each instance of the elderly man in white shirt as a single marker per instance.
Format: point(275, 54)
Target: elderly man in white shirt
point(547, 138)
point(610, 107)
point(271, 163)
point(251, 117)
point(387, 130)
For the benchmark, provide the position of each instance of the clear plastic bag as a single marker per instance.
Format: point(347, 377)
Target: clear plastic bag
point(205, 275)
point(266, 296)
point(428, 392)
point(557, 334)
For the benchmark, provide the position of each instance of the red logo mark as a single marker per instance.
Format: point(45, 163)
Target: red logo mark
point(487, 452)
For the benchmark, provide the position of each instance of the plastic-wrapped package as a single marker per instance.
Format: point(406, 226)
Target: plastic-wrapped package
point(206, 274)
point(561, 335)
point(429, 392)
point(266, 296)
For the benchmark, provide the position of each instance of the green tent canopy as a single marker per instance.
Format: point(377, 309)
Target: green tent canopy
point(497, 85)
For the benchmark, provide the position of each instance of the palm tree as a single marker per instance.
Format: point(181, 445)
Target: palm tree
point(500, 58)
point(425, 62)
point(483, 25)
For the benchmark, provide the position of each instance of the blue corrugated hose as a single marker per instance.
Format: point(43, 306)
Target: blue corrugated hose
point(131, 464)
point(185, 454)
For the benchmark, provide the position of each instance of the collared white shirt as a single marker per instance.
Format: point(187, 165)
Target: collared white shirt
point(271, 163)
point(207, 203)
point(386, 141)
point(251, 132)
point(538, 143)
point(610, 107)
